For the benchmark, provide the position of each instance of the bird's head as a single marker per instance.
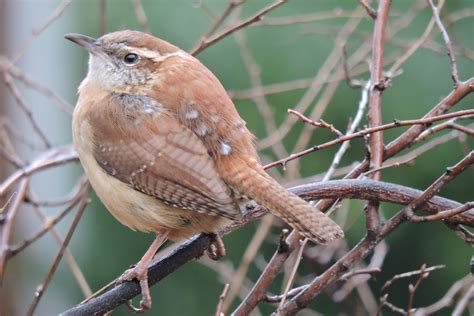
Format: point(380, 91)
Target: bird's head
point(125, 61)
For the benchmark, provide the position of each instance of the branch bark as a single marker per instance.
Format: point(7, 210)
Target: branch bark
point(194, 248)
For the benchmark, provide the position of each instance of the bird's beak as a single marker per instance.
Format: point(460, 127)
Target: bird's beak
point(87, 42)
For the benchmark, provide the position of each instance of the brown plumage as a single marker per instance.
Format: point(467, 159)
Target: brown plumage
point(164, 147)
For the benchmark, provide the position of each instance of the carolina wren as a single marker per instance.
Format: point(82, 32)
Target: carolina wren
point(165, 149)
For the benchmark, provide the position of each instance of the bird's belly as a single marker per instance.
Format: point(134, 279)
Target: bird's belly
point(137, 210)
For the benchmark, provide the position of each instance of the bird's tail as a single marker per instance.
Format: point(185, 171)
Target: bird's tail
point(295, 211)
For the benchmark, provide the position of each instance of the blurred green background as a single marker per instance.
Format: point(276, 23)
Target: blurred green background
point(104, 248)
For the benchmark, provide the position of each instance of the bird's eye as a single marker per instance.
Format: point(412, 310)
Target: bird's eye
point(131, 59)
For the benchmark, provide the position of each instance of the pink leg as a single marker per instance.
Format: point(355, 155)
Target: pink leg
point(140, 272)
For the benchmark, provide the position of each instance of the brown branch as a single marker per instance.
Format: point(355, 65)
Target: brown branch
point(318, 123)
point(396, 277)
point(414, 46)
point(217, 23)
point(309, 18)
point(221, 300)
point(441, 215)
point(423, 121)
point(68, 256)
point(442, 181)
point(370, 11)
point(375, 107)
point(412, 289)
point(7, 228)
point(350, 82)
point(258, 292)
point(7, 67)
point(360, 271)
point(448, 124)
point(464, 302)
point(261, 102)
point(277, 298)
point(408, 137)
point(79, 195)
point(452, 57)
point(247, 258)
point(363, 248)
point(294, 270)
point(448, 297)
point(365, 189)
point(330, 65)
point(22, 104)
point(57, 13)
point(384, 302)
point(12, 159)
point(43, 286)
point(57, 156)
point(206, 42)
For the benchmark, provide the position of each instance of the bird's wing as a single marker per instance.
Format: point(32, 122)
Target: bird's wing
point(139, 143)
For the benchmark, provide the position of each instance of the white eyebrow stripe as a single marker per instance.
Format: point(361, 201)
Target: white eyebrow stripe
point(147, 53)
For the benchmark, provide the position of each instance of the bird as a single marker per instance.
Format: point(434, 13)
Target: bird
point(166, 151)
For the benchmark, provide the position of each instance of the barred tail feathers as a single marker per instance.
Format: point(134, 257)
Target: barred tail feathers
point(292, 209)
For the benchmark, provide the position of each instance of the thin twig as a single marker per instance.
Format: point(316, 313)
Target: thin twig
point(141, 16)
point(103, 16)
point(261, 102)
point(56, 14)
point(206, 42)
point(447, 299)
point(464, 302)
point(414, 46)
point(15, 249)
point(53, 157)
point(8, 67)
point(412, 289)
point(318, 123)
point(452, 56)
point(299, 256)
point(350, 82)
point(310, 18)
point(367, 131)
point(43, 286)
point(370, 11)
point(450, 174)
point(21, 102)
point(247, 258)
point(233, 4)
point(396, 277)
point(8, 222)
point(68, 256)
point(360, 271)
point(441, 215)
point(221, 300)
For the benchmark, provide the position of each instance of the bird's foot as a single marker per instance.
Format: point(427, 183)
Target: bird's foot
point(216, 249)
point(140, 274)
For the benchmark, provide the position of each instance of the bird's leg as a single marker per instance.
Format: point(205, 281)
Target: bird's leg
point(216, 249)
point(140, 272)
